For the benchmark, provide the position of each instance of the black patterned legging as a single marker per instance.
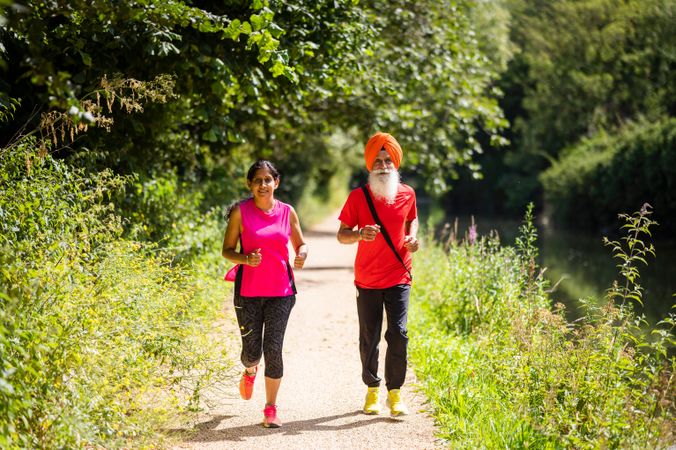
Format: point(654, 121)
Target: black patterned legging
point(262, 323)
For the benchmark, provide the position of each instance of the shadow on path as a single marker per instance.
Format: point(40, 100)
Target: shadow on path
point(207, 432)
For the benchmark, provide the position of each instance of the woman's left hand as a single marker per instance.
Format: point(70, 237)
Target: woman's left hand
point(299, 261)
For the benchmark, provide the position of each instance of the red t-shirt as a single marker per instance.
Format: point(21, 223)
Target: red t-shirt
point(376, 266)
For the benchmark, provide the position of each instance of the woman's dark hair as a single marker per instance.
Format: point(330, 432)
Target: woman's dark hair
point(262, 164)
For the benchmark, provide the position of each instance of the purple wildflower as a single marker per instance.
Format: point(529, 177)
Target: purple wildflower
point(472, 234)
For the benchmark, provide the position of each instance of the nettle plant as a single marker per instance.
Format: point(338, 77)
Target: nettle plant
point(653, 345)
point(526, 245)
point(632, 250)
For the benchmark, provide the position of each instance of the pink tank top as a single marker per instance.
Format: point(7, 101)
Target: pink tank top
point(269, 231)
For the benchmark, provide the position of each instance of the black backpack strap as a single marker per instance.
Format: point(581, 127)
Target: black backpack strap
point(383, 231)
point(238, 276)
point(293, 283)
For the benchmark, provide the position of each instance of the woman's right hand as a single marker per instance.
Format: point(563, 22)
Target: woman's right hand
point(254, 258)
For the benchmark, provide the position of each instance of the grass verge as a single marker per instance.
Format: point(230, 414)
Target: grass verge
point(502, 368)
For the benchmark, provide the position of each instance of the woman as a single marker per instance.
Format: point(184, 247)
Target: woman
point(264, 285)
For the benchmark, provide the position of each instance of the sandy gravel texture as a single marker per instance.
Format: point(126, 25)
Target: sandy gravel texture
point(322, 394)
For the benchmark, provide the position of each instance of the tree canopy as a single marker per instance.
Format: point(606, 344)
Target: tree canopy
point(593, 65)
point(574, 71)
point(220, 83)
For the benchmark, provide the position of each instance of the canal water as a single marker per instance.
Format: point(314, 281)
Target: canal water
point(584, 267)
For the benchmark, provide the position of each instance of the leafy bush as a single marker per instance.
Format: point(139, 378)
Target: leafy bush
point(609, 173)
point(101, 338)
point(155, 204)
point(502, 369)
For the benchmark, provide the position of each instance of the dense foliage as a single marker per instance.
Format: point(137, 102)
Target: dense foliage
point(574, 69)
point(101, 338)
point(260, 78)
point(503, 369)
point(593, 65)
point(595, 178)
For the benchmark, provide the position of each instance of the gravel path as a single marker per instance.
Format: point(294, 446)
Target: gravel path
point(322, 394)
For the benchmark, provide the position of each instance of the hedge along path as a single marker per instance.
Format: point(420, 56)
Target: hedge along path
point(322, 394)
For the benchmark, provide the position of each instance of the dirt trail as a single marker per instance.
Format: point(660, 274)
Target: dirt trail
point(322, 394)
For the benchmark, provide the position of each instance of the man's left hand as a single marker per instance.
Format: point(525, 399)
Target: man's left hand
point(411, 244)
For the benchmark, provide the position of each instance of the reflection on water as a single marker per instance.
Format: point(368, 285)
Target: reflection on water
point(584, 267)
point(588, 270)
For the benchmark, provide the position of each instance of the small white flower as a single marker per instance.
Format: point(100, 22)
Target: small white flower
point(73, 110)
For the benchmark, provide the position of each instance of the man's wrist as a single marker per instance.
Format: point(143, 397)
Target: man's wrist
point(360, 236)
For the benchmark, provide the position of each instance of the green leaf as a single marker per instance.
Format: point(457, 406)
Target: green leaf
point(233, 30)
point(275, 30)
point(245, 28)
point(86, 59)
point(257, 22)
point(234, 137)
point(277, 69)
point(210, 135)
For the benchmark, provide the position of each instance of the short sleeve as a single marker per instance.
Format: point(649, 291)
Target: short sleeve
point(348, 215)
point(413, 210)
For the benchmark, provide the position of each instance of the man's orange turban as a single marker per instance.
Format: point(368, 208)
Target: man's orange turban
point(382, 141)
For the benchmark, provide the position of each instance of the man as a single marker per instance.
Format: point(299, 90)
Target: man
point(382, 278)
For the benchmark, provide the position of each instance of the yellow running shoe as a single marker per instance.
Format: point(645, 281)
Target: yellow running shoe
point(396, 405)
point(371, 404)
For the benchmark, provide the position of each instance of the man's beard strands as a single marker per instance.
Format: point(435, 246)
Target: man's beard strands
point(384, 184)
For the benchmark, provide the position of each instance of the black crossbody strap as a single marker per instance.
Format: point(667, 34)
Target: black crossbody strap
point(372, 207)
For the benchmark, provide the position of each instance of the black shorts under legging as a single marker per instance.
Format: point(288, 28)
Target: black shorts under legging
point(262, 323)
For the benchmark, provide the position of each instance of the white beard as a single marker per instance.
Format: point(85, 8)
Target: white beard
point(384, 184)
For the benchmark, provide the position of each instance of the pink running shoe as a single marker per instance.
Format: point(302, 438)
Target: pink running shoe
point(271, 420)
point(246, 384)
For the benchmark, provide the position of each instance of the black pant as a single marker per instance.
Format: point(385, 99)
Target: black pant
point(262, 324)
point(370, 304)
